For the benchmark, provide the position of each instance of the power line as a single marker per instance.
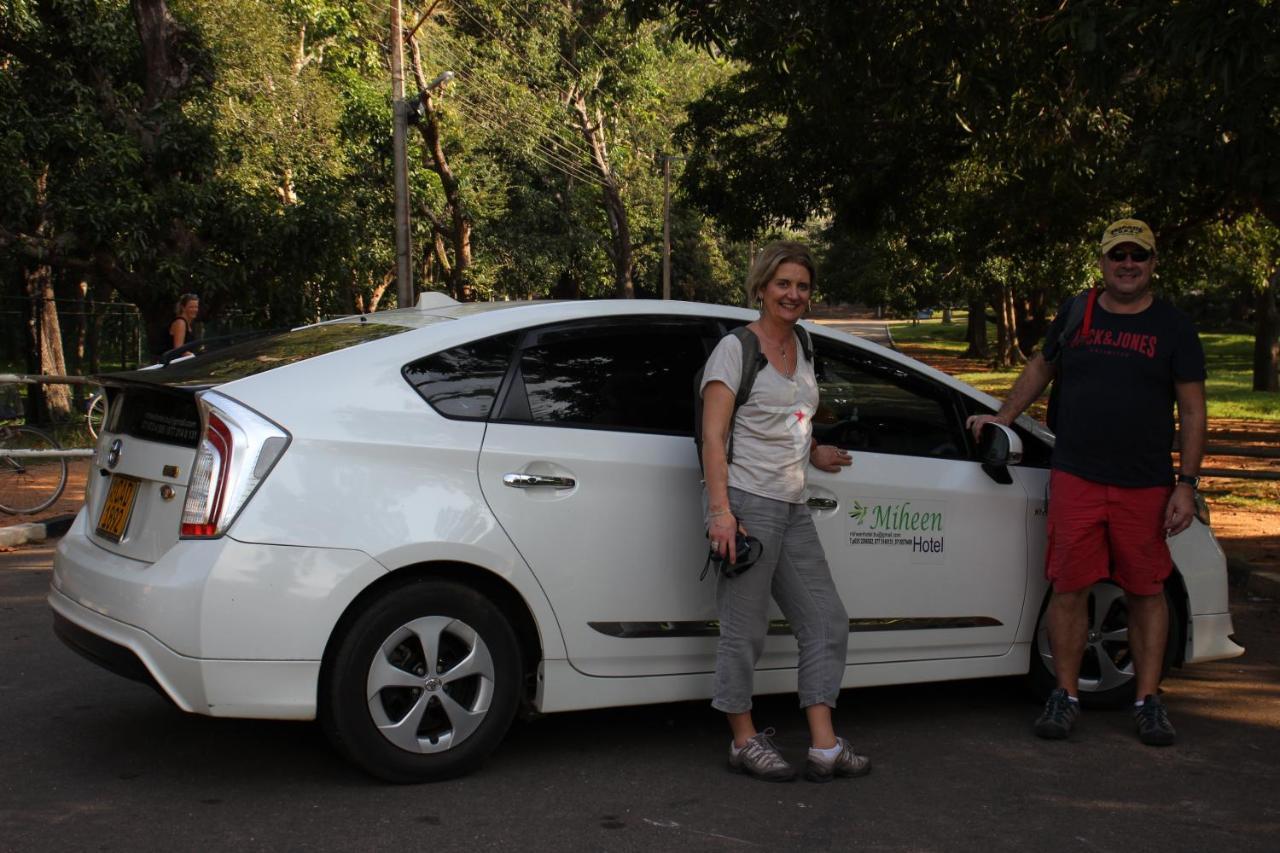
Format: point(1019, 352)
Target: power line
point(571, 145)
point(515, 51)
point(544, 154)
point(540, 155)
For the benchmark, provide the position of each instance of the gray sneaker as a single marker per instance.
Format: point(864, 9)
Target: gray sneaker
point(846, 763)
point(761, 759)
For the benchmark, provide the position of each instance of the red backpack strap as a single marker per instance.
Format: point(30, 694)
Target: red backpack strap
point(1088, 311)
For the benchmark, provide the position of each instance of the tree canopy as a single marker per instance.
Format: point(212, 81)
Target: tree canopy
point(959, 152)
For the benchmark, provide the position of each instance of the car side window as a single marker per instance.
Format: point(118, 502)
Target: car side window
point(462, 382)
point(874, 405)
point(633, 376)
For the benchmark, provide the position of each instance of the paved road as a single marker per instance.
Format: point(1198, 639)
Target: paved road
point(872, 330)
point(92, 762)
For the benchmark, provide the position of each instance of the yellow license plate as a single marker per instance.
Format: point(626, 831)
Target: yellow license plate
point(113, 521)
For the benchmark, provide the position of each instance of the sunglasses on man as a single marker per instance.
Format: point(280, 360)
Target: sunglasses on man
point(1138, 256)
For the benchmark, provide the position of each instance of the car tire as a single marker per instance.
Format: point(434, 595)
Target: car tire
point(1106, 672)
point(423, 683)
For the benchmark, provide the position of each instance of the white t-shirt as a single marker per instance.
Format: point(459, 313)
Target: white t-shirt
point(773, 429)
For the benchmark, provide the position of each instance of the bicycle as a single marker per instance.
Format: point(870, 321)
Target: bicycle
point(96, 412)
point(29, 484)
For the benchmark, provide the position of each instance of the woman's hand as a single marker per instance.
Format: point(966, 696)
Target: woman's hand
point(829, 458)
point(722, 530)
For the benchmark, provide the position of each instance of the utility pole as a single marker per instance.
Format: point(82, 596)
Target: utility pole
point(666, 223)
point(399, 145)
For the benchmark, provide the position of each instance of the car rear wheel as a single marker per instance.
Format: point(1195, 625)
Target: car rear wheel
point(1106, 671)
point(423, 684)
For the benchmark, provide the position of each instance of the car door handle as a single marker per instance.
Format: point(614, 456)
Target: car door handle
point(529, 481)
point(821, 503)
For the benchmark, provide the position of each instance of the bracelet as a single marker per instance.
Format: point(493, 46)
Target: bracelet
point(712, 515)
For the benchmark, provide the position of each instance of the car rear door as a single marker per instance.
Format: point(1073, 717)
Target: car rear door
point(590, 467)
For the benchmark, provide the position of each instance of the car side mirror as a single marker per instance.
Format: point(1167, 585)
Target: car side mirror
point(998, 448)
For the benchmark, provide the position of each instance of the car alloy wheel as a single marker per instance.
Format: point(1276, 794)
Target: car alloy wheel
point(430, 684)
point(1106, 670)
point(422, 683)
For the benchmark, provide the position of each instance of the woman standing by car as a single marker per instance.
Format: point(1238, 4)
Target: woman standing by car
point(760, 491)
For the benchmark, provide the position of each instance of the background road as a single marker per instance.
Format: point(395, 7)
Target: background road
point(89, 761)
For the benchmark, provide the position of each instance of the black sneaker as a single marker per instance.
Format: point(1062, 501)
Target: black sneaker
point(1059, 715)
point(1154, 728)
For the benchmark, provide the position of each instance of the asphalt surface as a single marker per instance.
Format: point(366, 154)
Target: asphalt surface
point(89, 761)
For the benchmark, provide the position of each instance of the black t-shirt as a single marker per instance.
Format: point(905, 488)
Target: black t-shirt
point(1116, 393)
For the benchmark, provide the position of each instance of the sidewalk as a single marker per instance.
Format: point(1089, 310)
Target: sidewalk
point(26, 532)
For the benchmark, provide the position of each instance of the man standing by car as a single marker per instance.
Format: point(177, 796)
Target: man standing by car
point(1113, 496)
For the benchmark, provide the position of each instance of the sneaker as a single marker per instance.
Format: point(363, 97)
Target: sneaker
point(1059, 715)
point(1154, 728)
point(761, 759)
point(847, 763)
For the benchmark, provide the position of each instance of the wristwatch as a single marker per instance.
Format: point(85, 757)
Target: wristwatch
point(1193, 482)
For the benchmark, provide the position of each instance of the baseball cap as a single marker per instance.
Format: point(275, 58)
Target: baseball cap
point(1128, 231)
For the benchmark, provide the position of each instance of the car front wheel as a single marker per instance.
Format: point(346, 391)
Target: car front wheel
point(1106, 671)
point(423, 684)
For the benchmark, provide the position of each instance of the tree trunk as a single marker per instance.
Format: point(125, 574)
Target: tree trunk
point(976, 332)
point(1266, 341)
point(620, 249)
point(1007, 352)
point(45, 338)
point(459, 226)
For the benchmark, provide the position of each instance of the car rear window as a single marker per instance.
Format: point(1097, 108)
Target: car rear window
point(259, 355)
point(462, 382)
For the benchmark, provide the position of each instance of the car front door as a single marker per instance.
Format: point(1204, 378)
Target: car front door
point(928, 550)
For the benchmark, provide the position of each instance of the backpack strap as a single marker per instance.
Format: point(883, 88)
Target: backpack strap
point(1079, 315)
point(806, 342)
point(753, 361)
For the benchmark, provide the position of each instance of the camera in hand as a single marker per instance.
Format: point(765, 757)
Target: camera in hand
point(748, 550)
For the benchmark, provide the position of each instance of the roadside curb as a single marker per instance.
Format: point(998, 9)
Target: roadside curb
point(35, 531)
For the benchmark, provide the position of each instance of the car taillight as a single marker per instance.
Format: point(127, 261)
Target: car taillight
point(237, 449)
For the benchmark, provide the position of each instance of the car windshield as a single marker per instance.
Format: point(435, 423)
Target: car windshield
point(259, 355)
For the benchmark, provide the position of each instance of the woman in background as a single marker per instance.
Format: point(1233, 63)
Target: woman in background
point(182, 329)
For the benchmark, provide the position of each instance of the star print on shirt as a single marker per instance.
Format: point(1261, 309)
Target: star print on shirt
point(799, 416)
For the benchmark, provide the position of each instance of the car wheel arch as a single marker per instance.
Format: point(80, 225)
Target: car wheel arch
point(505, 596)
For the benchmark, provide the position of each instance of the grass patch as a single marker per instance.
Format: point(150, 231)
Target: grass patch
point(1255, 495)
point(1229, 387)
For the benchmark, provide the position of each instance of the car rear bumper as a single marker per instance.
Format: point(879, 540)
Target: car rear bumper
point(221, 627)
point(281, 690)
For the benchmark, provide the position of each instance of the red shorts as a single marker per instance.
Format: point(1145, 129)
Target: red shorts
point(1097, 531)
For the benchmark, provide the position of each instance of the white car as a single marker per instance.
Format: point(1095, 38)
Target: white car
point(411, 524)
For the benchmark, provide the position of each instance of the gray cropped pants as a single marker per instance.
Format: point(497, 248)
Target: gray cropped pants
point(792, 570)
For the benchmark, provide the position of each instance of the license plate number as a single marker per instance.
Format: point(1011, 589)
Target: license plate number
point(113, 521)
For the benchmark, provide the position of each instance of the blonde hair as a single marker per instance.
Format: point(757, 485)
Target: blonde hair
point(773, 256)
point(184, 300)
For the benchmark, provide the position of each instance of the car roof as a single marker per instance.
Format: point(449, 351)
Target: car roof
point(479, 319)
